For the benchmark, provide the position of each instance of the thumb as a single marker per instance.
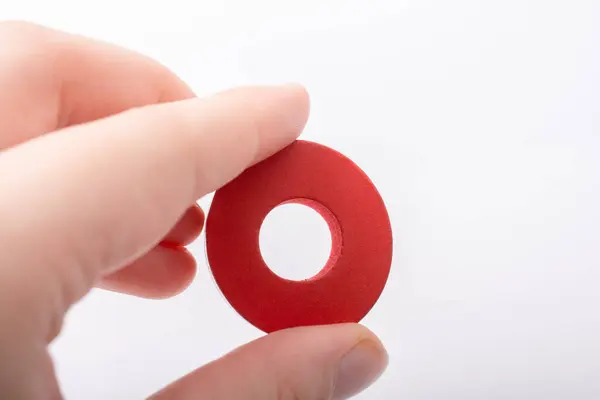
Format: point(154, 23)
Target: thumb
point(310, 363)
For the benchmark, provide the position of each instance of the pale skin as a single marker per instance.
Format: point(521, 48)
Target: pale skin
point(104, 155)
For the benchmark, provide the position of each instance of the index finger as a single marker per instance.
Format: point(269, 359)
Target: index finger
point(93, 197)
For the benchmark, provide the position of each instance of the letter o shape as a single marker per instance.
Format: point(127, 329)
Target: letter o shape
point(354, 277)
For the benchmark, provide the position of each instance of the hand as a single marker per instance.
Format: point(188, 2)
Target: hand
point(105, 154)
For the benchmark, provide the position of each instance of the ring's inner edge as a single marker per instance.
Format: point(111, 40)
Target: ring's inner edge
point(334, 229)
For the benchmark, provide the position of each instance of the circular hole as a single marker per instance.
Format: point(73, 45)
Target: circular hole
point(295, 241)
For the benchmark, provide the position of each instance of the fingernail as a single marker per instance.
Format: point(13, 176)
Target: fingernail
point(359, 368)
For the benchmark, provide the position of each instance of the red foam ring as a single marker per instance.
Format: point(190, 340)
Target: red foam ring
point(360, 260)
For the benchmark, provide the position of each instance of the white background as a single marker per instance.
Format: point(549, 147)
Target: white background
point(479, 121)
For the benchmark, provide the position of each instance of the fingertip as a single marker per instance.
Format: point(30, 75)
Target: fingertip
point(356, 354)
point(162, 273)
point(367, 334)
point(300, 93)
point(187, 229)
point(293, 102)
point(224, 134)
point(337, 337)
point(360, 367)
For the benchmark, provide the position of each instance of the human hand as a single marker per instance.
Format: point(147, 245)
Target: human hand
point(105, 153)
